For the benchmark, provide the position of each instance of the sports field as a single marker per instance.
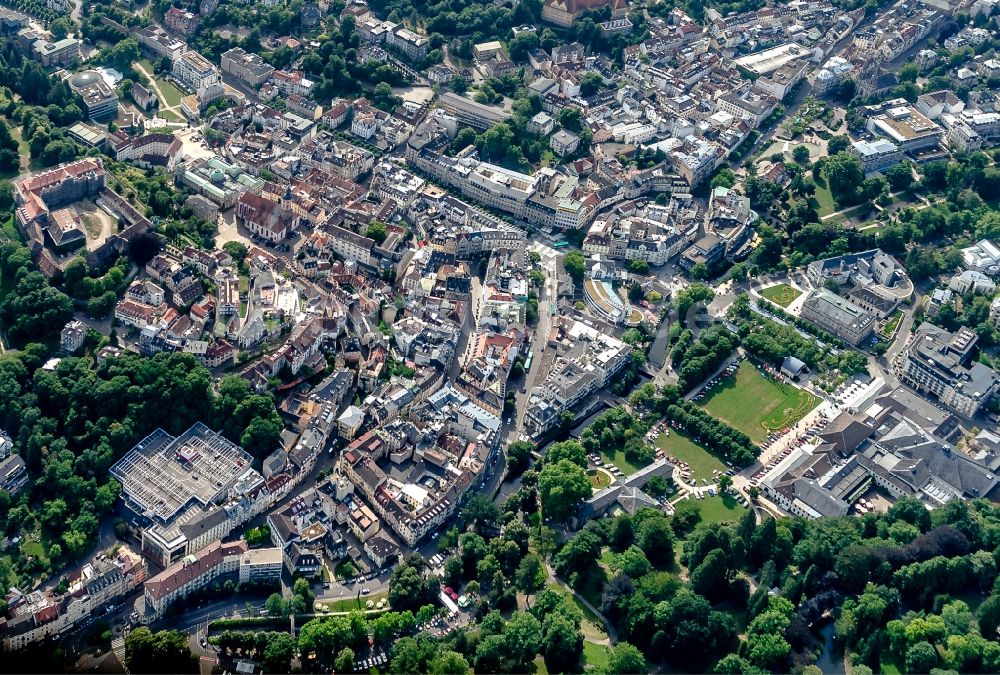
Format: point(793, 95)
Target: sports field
point(755, 404)
point(781, 294)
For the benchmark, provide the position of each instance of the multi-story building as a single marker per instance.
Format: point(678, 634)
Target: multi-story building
point(58, 53)
point(940, 363)
point(838, 316)
point(41, 615)
point(905, 126)
point(833, 72)
point(186, 576)
point(350, 245)
point(294, 82)
point(863, 268)
point(635, 237)
point(779, 82)
point(936, 103)
point(218, 180)
point(246, 67)
point(983, 256)
point(753, 106)
point(38, 194)
point(730, 218)
point(338, 157)
point(876, 155)
point(13, 475)
point(693, 158)
point(707, 251)
point(469, 112)
point(195, 72)
point(188, 491)
point(99, 100)
point(541, 124)
point(995, 313)
point(260, 565)
point(157, 42)
point(148, 151)
point(410, 43)
point(72, 336)
point(565, 12)
point(588, 358)
point(180, 21)
point(564, 142)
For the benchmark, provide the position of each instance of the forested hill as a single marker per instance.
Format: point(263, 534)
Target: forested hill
point(71, 423)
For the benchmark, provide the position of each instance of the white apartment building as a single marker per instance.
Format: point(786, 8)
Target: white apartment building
point(876, 155)
point(261, 564)
point(72, 336)
point(195, 71)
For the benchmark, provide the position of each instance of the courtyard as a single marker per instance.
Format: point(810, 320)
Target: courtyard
point(781, 294)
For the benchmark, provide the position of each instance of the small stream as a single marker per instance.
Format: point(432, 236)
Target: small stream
point(830, 662)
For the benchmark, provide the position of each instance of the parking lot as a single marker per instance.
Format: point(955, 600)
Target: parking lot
point(777, 447)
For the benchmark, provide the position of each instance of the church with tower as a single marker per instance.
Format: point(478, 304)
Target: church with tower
point(269, 219)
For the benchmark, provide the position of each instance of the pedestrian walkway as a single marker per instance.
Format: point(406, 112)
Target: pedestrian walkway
point(118, 647)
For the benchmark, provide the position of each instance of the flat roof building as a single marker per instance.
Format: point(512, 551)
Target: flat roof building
point(940, 363)
point(177, 486)
point(876, 155)
point(905, 126)
point(469, 112)
point(99, 100)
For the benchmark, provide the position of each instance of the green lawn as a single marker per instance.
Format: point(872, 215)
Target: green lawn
point(606, 557)
point(592, 626)
point(719, 508)
point(171, 94)
point(348, 604)
point(680, 446)
point(893, 323)
point(781, 294)
point(595, 656)
point(822, 200)
point(599, 479)
point(170, 116)
point(617, 457)
point(757, 405)
point(859, 211)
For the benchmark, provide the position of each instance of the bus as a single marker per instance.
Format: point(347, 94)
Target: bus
point(527, 362)
point(560, 244)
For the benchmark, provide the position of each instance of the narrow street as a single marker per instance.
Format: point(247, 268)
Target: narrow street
point(541, 361)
